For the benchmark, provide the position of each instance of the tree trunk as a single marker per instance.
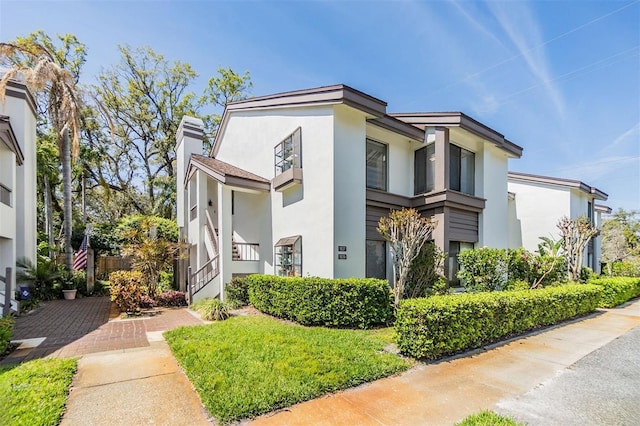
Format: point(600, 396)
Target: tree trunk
point(48, 215)
point(66, 181)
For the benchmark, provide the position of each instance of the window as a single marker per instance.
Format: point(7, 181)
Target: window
point(376, 165)
point(5, 195)
point(288, 153)
point(288, 254)
point(453, 266)
point(461, 170)
point(193, 198)
point(590, 211)
point(376, 260)
point(424, 165)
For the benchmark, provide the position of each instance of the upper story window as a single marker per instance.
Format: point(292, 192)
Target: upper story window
point(590, 211)
point(376, 165)
point(5, 195)
point(424, 166)
point(462, 170)
point(288, 153)
point(193, 199)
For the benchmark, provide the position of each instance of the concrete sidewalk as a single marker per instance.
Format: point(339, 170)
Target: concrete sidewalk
point(446, 392)
point(133, 387)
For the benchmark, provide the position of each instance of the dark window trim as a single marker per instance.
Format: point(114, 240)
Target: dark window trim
point(296, 161)
point(4, 191)
point(459, 169)
point(386, 164)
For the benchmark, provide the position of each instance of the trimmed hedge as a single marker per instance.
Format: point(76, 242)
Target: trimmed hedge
point(617, 290)
point(6, 331)
point(443, 325)
point(319, 301)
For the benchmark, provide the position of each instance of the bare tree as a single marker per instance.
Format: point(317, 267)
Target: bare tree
point(575, 235)
point(406, 231)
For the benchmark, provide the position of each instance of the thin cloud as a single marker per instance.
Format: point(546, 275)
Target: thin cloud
point(598, 168)
point(627, 135)
point(517, 21)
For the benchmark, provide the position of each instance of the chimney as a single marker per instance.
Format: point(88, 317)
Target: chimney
point(189, 140)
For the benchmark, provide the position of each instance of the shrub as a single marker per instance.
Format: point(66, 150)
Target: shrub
point(41, 276)
point(6, 331)
point(211, 309)
point(483, 269)
point(166, 281)
point(237, 292)
point(147, 302)
point(442, 325)
point(624, 269)
point(172, 298)
point(424, 275)
point(318, 301)
point(126, 290)
point(617, 290)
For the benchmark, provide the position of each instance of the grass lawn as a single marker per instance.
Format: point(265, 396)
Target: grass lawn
point(488, 418)
point(35, 393)
point(247, 366)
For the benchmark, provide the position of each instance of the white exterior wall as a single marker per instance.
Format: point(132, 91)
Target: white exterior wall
point(493, 228)
point(307, 209)
point(252, 224)
point(18, 227)
point(579, 204)
point(8, 167)
point(538, 209)
point(349, 192)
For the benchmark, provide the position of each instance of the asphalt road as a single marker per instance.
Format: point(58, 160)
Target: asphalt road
point(602, 388)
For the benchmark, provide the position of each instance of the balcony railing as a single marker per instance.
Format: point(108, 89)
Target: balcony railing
point(246, 252)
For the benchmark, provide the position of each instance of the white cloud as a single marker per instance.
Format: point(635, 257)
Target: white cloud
point(625, 136)
point(518, 22)
point(592, 170)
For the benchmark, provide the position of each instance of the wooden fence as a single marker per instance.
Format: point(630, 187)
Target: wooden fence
point(106, 264)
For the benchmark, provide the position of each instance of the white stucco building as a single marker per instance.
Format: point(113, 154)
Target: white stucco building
point(536, 204)
point(296, 182)
point(17, 179)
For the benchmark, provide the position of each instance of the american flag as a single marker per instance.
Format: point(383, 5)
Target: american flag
point(80, 261)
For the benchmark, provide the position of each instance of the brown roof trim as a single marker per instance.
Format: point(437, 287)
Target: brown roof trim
point(326, 95)
point(602, 209)
point(9, 138)
point(227, 174)
point(446, 198)
point(398, 126)
point(459, 119)
point(567, 183)
point(21, 92)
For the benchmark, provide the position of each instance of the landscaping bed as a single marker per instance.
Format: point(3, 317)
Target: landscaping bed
point(247, 366)
point(617, 290)
point(35, 393)
point(438, 326)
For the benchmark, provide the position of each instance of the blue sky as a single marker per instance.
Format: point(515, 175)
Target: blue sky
point(559, 78)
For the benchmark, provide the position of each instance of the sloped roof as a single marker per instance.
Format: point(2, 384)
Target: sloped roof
point(9, 138)
point(567, 183)
point(228, 174)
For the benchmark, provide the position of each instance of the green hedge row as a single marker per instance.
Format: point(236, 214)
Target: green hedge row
point(443, 325)
point(318, 301)
point(6, 331)
point(617, 290)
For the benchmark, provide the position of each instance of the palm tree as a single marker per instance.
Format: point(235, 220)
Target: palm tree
point(35, 60)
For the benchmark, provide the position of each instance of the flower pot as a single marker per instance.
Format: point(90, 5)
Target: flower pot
point(69, 294)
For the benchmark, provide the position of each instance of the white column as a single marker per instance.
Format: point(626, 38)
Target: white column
point(225, 232)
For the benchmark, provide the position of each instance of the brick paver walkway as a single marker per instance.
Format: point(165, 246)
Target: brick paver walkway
point(77, 327)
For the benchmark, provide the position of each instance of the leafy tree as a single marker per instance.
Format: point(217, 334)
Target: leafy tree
point(406, 232)
point(574, 237)
point(51, 70)
point(228, 86)
point(146, 96)
point(621, 238)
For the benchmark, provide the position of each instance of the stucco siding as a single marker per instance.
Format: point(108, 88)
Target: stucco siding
point(493, 221)
point(538, 209)
point(349, 192)
point(305, 209)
